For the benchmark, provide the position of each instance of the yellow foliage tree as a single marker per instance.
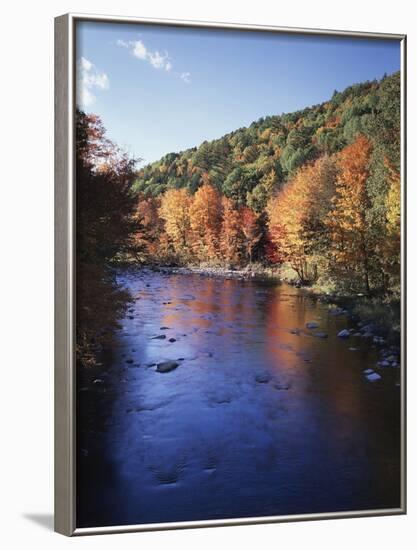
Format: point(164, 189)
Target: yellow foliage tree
point(175, 211)
point(205, 221)
point(393, 227)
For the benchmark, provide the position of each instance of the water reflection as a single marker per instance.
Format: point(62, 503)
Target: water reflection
point(261, 417)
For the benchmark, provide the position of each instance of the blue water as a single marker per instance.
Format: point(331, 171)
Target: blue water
point(255, 421)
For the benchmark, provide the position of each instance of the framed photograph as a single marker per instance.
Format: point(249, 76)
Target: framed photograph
point(230, 292)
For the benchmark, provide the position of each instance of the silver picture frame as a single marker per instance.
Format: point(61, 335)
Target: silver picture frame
point(65, 249)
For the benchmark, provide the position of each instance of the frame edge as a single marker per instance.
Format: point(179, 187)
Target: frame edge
point(64, 508)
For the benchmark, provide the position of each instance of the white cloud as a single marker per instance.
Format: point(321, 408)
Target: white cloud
point(185, 77)
point(89, 78)
point(155, 58)
point(139, 50)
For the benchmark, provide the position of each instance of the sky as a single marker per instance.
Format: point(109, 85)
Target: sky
point(162, 89)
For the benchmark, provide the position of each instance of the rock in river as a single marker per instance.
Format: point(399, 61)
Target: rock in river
point(312, 324)
point(167, 366)
point(373, 377)
point(321, 335)
point(344, 333)
point(159, 337)
point(263, 378)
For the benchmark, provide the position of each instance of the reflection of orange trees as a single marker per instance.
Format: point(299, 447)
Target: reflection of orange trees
point(287, 310)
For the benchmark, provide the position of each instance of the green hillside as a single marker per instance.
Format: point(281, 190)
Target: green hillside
point(250, 164)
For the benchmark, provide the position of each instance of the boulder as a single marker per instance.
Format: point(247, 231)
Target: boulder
point(344, 333)
point(321, 335)
point(312, 324)
point(167, 366)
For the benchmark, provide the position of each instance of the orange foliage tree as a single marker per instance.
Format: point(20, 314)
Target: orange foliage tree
point(231, 236)
point(147, 238)
point(297, 217)
point(351, 244)
point(251, 231)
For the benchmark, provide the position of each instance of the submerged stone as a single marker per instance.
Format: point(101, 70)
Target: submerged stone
point(344, 333)
point(312, 324)
point(373, 377)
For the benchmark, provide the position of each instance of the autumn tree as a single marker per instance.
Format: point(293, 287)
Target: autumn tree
point(175, 211)
point(251, 231)
point(105, 206)
point(231, 236)
point(392, 251)
point(351, 245)
point(205, 222)
point(149, 231)
point(297, 217)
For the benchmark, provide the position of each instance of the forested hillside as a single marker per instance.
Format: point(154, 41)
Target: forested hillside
point(317, 191)
point(250, 164)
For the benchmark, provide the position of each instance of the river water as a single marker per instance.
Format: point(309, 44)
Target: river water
point(262, 417)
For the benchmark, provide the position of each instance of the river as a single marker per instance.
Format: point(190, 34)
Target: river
point(261, 417)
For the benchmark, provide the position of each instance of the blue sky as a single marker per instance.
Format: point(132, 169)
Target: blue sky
point(163, 89)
